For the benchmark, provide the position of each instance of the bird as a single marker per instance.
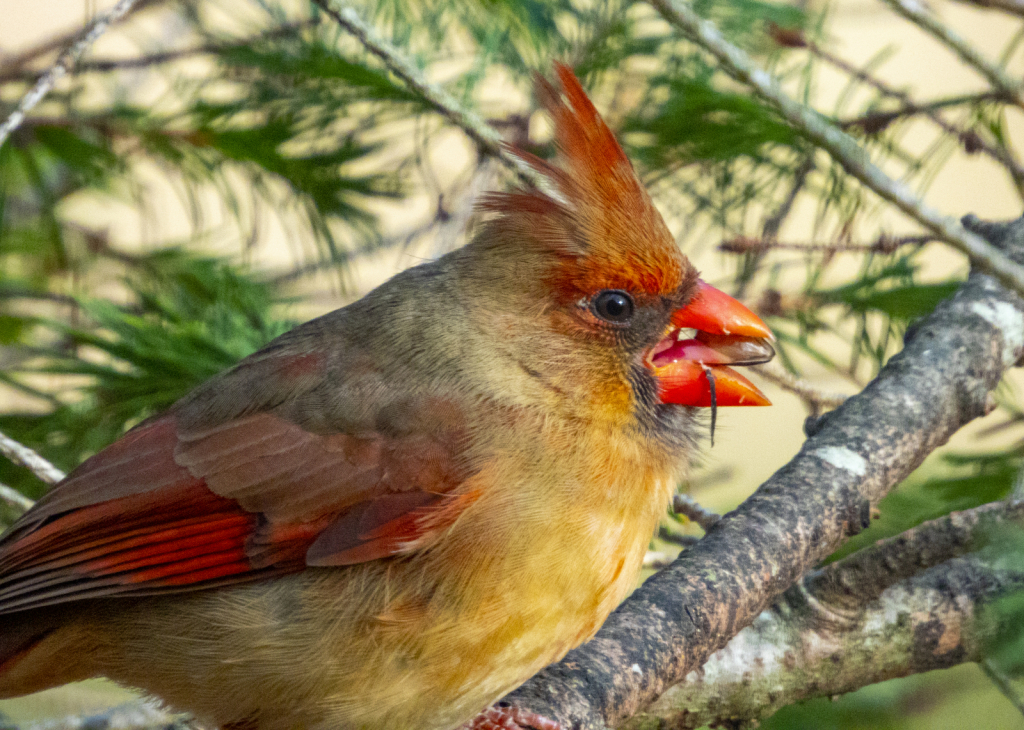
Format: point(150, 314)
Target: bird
point(394, 514)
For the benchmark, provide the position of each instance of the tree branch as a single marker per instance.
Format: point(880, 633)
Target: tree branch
point(884, 244)
point(918, 14)
point(850, 584)
point(12, 63)
point(843, 148)
point(793, 652)
point(817, 400)
point(26, 457)
point(104, 65)
point(15, 499)
point(486, 138)
point(876, 120)
point(61, 67)
point(884, 612)
point(1016, 7)
point(856, 455)
point(1000, 154)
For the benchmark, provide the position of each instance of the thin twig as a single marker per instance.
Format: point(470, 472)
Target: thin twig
point(971, 140)
point(1016, 7)
point(843, 148)
point(103, 65)
point(884, 244)
point(486, 138)
point(684, 504)
point(676, 538)
point(815, 398)
point(879, 120)
point(15, 498)
point(62, 66)
point(26, 457)
point(1004, 683)
point(772, 224)
point(14, 62)
point(917, 13)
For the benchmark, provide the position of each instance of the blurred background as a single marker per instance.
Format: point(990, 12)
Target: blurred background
point(216, 171)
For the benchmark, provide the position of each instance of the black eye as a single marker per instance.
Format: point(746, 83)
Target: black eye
point(613, 305)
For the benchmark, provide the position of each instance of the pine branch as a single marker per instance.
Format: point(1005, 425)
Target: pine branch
point(884, 244)
point(488, 141)
point(843, 148)
point(26, 457)
point(101, 65)
point(918, 14)
point(1004, 683)
point(873, 121)
point(62, 66)
point(967, 137)
point(15, 499)
point(1016, 7)
point(12, 64)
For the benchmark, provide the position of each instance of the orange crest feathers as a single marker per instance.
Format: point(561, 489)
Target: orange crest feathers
point(615, 238)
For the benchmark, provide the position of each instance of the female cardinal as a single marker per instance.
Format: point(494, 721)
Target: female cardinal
point(394, 514)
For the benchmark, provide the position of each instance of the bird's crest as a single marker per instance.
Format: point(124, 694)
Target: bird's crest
point(605, 226)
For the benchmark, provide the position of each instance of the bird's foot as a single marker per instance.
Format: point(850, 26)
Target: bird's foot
point(509, 718)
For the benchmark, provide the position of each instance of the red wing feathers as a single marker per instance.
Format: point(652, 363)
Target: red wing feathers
point(170, 509)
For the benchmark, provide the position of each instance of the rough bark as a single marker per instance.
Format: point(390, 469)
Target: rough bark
point(907, 605)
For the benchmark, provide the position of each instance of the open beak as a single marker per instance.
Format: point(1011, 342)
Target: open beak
point(708, 335)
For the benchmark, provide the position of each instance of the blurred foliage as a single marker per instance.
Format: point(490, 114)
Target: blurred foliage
point(263, 116)
point(189, 318)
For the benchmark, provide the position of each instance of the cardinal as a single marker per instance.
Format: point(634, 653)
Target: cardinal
point(393, 515)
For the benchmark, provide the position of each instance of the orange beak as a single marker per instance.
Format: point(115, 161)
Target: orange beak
point(692, 366)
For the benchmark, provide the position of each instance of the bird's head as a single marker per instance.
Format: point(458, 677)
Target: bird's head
point(593, 260)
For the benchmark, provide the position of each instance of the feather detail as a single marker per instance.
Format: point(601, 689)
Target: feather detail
point(170, 508)
point(615, 238)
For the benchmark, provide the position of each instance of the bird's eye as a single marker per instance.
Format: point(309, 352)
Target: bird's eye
point(613, 305)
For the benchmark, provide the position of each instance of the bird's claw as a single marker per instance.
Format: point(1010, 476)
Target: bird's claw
point(510, 718)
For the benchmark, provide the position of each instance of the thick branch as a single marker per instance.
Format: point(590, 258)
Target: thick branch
point(857, 454)
point(789, 654)
point(843, 148)
point(883, 612)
